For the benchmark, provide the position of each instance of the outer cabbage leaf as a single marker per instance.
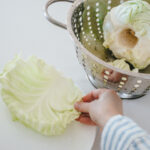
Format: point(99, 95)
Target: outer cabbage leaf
point(135, 13)
point(39, 96)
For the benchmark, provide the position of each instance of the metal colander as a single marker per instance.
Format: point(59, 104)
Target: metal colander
point(85, 20)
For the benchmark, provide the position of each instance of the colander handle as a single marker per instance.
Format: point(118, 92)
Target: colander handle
point(49, 18)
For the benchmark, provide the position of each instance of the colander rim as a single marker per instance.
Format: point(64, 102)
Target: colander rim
point(82, 48)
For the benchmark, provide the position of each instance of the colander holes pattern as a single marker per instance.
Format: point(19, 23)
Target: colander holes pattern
point(77, 22)
point(80, 13)
point(122, 83)
point(129, 85)
point(109, 5)
point(139, 81)
point(94, 70)
point(80, 19)
point(124, 78)
point(107, 72)
point(120, 86)
point(98, 20)
point(106, 77)
point(137, 85)
point(89, 22)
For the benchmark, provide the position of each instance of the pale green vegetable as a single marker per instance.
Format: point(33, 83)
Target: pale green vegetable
point(135, 13)
point(121, 64)
point(39, 96)
point(127, 32)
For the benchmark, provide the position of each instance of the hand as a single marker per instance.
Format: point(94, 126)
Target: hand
point(98, 107)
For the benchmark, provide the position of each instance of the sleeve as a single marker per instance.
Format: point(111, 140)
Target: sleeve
point(121, 133)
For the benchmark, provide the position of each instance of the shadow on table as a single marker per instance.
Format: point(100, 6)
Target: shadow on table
point(96, 145)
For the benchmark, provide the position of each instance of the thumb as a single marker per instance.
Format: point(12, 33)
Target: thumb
point(82, 107)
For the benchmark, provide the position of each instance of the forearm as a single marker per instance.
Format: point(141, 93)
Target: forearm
point(121, 133)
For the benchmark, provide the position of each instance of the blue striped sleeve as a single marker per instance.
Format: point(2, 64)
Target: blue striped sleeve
point(121, 133)
point(141, 143)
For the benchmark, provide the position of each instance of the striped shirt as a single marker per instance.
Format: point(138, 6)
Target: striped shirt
point(121, 133)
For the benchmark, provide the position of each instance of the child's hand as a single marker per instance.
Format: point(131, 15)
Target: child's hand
point(98, 107)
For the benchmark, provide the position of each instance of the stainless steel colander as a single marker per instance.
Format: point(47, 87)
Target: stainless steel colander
point(85, 20)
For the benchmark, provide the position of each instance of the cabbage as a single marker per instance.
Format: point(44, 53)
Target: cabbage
point(121, 64)
point(127, 32)
point(39, 96)
point(135, 13)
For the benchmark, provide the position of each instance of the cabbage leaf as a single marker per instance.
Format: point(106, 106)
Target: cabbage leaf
point(39, 96)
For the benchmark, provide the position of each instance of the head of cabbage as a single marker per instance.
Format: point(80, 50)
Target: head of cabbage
point(127, 32)
point(39, 96)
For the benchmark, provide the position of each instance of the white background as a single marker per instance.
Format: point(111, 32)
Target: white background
point(23, 29)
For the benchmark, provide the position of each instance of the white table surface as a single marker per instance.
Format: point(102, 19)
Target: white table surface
point(23, 29)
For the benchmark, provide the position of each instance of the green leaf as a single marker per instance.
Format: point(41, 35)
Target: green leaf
point(39, 96)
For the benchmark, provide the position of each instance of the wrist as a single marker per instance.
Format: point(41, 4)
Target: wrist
point(101, 123)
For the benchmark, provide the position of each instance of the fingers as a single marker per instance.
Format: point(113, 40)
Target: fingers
point(82, 107)
point(84, 115)
point(86, 120)
point(93, 95)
